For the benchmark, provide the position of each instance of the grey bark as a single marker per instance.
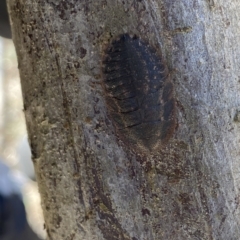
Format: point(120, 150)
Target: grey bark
point(92, 185)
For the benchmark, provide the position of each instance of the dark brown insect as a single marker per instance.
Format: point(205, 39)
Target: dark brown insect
point(139, 93)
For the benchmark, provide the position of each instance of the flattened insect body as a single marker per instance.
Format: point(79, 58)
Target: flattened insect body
point(139, 93)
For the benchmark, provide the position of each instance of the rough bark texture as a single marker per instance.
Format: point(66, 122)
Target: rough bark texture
point(93, 185)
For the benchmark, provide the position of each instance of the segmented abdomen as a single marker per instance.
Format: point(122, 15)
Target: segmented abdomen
point(139, 93)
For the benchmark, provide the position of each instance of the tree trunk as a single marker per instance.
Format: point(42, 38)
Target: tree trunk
point(98, 181)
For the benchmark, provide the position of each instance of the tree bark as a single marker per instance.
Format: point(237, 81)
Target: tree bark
point(95, 186)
